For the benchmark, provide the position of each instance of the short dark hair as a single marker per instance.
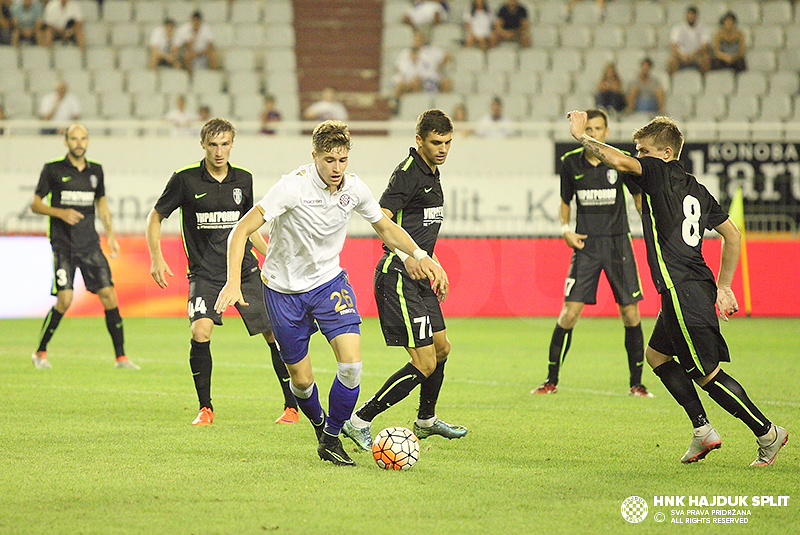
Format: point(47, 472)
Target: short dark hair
point(593, 113)
point(663, 132)
point(729, 15)
point(330, 135)
point(197, 14)
point(434, 120)
point(692, 9)
point(168, 20)
point(647, 60)
point(215, 127)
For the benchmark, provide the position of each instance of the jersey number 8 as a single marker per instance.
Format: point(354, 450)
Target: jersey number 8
point(690, 230)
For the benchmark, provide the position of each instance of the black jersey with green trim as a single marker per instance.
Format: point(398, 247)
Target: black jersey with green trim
point(598, 193)
point(67, 187)
point(676, 209)
point(209, 210)
point(414, 195)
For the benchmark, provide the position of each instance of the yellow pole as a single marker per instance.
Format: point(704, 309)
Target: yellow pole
point(736, 214)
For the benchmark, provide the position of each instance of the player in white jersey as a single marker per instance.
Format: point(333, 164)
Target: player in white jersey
point(305, 287)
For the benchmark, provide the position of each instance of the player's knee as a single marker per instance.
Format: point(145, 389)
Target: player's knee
point(443, 350)
point(349, 374)
point(200, 332)
point(654, 358)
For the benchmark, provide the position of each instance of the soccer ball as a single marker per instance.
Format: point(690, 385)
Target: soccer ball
point(395, 448)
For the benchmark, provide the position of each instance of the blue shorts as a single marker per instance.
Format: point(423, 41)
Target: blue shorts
point(295, 317)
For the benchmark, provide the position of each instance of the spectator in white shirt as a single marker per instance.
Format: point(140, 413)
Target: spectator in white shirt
point(494, 123)
point(64, 22)
point(196, 43)
point(60, 106)
point(163, 49)
point(478, 25)
point(690, 44)
point(420, 67)
point(423, 15)
point(328, 108)
point(181, 118)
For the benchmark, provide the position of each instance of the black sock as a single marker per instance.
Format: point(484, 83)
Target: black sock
point(634, 345)
point(429, 392)
point(200, 362)
point(559, 345)
point(682, 389)
point(114, 324)
point(49, 326)
point(395, 389)
point(283, 376)
point(730, 395)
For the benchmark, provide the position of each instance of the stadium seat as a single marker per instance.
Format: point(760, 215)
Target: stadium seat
point(680, 106)
point(687, 82)
point(544, 37)
point(575, 36)
point(244, 83)
point(784, 83)
point(207, 82)
point(676, 12)
point(224, 35)
point(463, 81)
point(89, 106)
point(628, 63)
point(556, 82)
point(397, 35)
point(42, 81)
point(278, 11)
point(280, 60)
point(578, 101)
point(126, 34)
point(280, 83)
point(551, 12)
point(246, 11)
point(447, 102)
point(585, 13)
point(132, 58)
point(393, 11)
point(115, 105)
point(239, 59)
point(214, 10)
point(219, 104)
point(534, 60)
point(776, 107)
point(618, 13)
point(19, 106)
point(250, 35)
point(751, 83)
point(247, 107)
point(501, 60)
point(89, 9)
point(149, 12)
point(280, 36)
point(447, 36)
point(142, 81)
point(35, 58)
point(789, 59)
point(640, 37)
point(412, 104)
point(494, 83)
point(776, 12)
point(80, 80)
point(595, 61)
point(609, 36)
point(710, 106)
point(566, 59)
point(96, 34)
point(118, 11)
point(181, 12)
point(469, 59)
point(761, 60)
point(742, 107)
point(9, 58)
point(109, 82)
point(67, 58)
point(767, 37)
point(648, 13)
point(722, 82)
point(748, 12)
point(173, 82)
point(523, 83)
point(100, 59)
point(546, 107)
point(148, 106)
point(13, 81)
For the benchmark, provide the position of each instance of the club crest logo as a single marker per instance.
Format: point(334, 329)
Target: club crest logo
point(93, 181)
point(612, 176)
point(237, 195)
point(344, 200)
point(634, 509)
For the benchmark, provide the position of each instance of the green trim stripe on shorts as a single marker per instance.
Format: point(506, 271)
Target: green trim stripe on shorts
point(676, 305)
point(404, 310)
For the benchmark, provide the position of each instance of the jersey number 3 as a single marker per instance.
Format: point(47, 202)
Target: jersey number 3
point(690, 229)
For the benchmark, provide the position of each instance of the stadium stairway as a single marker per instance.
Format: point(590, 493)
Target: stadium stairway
point(339, 46)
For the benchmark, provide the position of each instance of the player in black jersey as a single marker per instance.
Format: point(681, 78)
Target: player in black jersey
point(409, 309)
point(676, 209)
point(212, 196)
point(75, 188)
point(601, 242)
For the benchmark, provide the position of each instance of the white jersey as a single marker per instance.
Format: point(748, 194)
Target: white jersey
point(308, 226)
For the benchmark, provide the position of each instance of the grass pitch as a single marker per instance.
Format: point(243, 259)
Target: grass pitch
point(91, 449)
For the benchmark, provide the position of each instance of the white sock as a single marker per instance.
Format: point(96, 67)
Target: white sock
point(769, 438)
point(702, 430)
point(426, 423)
point(357, 422)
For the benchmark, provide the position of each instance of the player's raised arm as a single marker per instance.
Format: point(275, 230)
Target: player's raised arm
point(158, 266)
point(607, 154)
point(231, 293)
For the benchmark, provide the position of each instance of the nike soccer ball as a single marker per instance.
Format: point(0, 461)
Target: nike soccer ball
point(395, 448)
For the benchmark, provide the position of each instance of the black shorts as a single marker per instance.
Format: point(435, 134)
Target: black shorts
point(687, 327)
point(408, 309)
point(614, 256)
point(203, 294)
point(94, 269)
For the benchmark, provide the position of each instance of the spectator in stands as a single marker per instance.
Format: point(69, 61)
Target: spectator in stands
point(328, 108)
point(423, 15)
point(2, 118)
point(690, 44)
point(5, 22)
point(60, 106)
point(459, 117)
point(478, 25)
point(27, 18)
point(512, 24)
point(609, 95)
point(196, 43)
point(729, 45)
point(421, 67)
point(181, 118)
point(163, 46)
point(203, 114)
point(269, 114)
point(63, 22)
point(646, 94)
point(494, 123)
